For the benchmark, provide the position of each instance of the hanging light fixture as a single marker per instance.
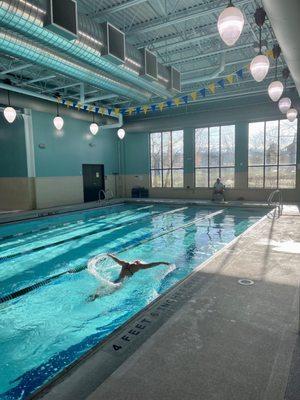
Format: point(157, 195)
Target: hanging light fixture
point(285, 103)
point(58, 121)
point(121, 133)
point(9, 112)
point(230, 24)
point(260, 64)
point(292, 114)
point(276, 87)
point(94, 128)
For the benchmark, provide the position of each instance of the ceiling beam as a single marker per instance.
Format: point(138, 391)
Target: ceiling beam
point(98, 98)
point(120, 7)
point(15, 69)
point(42, 78)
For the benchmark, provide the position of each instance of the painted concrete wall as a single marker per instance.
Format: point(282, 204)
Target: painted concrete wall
point(239, 113)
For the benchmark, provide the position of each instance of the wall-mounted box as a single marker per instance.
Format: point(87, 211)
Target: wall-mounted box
point(62, 18)
point(114, 41)
point(150, 65)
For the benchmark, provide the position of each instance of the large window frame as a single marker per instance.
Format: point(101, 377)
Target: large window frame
point(277, 166)
point(221, 166)
point(164, 170)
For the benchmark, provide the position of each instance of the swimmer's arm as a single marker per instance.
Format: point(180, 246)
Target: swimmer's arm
point(154, 264)
point(117, 260)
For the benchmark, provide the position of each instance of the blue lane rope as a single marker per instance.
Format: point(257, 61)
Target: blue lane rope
point(75, 270)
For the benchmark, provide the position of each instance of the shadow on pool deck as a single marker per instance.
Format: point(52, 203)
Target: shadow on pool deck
point(222, 340)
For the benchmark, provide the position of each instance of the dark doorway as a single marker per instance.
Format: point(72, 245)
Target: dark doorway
point(93, 181)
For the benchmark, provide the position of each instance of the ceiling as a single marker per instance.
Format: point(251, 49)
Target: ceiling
point(182, 33)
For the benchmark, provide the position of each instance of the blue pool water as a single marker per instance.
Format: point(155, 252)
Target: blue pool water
point(47, 329)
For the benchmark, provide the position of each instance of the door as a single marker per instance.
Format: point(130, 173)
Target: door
point(93, 181)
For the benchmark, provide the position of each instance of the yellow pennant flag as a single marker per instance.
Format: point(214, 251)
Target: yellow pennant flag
point(102, 110)
point(161, 106)
point(58, 99)
point(194, 95)
point(177, 101)
point(212, 88)
point(90, 108)
point(230, 78)
point(130, 110)
point(117, 111)
point(145, 109)
point(79, 106)
point(269, 53)
point(68, 103)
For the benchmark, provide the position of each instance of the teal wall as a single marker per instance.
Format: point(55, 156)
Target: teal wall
point(13, 162)
point(66, 151)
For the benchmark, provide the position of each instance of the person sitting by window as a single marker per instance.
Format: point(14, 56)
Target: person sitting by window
point(218, 193)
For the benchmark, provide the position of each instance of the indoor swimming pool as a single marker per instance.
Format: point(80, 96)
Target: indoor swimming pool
point(47, 327)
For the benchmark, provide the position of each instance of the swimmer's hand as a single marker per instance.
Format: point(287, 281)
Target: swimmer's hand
point(92, 297)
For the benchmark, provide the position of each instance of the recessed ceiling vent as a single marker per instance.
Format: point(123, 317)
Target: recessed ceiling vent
point(114, 48)
point(61, 18)
point(175, 80)
point(150, 65)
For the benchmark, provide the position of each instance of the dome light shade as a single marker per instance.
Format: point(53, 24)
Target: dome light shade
point(230, 24)
point(284, 104)
point(121, 133)
point(94, 128)
point(259, 67)
point(275, 90)
point(292, 114)
point(10, 114)
point(58, 122)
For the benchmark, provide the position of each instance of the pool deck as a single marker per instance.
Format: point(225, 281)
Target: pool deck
point(210, 337)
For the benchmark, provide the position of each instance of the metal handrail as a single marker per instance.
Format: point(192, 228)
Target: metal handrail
point(105, 194)
point(279, 203)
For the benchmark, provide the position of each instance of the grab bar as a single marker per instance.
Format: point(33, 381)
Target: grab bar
point(279, 203)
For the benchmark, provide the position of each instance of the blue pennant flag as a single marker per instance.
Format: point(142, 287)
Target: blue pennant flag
point(109, 110)
point(138, 110)
point(153, 107)
point(63, 101)
point(221, 82)
point(240, 73)
point(85, 108)
point(185, 99)
point(169, 103)
point(96, 110)
point(123, 111)
point(74, 104)
point(202, 92)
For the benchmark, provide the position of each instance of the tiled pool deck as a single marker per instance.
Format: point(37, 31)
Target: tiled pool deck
point(210, 337)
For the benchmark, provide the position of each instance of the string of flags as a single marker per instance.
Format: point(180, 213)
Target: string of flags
point(203, 92)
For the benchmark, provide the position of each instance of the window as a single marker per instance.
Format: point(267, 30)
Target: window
point(166, 153)
point(272, 154)
point(214, 155)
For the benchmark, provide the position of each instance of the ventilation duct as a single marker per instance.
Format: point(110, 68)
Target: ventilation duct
point(284, 18)
point(114, 40)
point(17, 47)
point(61, 18)
point(150, 65)
point(20, 16)
point(175, 80)
point(207, 77)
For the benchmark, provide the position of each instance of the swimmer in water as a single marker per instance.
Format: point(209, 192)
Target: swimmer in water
point(130, 268)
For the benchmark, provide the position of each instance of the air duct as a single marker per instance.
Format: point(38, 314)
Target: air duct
point(21, 16)
point(284, 18)
point(17, 47)
point(207, 77)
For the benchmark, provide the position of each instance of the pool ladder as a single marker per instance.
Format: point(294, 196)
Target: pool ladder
point(277, 204)
point(107, 195)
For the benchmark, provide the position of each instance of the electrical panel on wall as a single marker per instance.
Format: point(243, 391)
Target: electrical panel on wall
point(150, 65)
point(61, 18)
point(114, 48)
point(175, 80)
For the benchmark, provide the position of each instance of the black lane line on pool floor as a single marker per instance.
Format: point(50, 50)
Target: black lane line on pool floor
point(120, 344)
point(28, 289)
point(83, 235)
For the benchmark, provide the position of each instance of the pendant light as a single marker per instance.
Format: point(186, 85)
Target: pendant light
point(285, 103)
point(58, 121)
point(94, 128)
point(292, 114)
point(230, 24)
point(276, 87)
point(121, 133)
point(9, 112)
point(260, 64)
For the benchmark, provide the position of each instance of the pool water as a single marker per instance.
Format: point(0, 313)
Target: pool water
point(45, 330)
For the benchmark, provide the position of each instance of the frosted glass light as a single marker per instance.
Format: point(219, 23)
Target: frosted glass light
point(230, 25)
point(284, 104)
point(121, 133)
point(58, 122)
point(275, 90)
point(94, 128)
point(259, 67)
point(292, 114)
point(10, 114)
